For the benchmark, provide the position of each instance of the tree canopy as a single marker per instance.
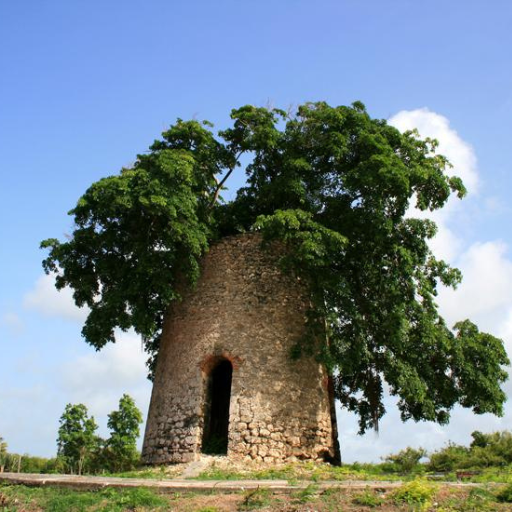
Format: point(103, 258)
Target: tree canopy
point(77, 437)
point(124, 427)
point(332, 184)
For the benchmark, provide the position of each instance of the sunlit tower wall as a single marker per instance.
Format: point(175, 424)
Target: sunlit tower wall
point(225, 382)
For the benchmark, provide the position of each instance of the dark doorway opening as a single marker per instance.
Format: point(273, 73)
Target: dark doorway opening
point(216, 417)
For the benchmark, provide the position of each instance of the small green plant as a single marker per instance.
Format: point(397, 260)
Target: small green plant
point(4, 501)
point(207, 509)
point(417, 493)
point(215, 473)
point(135, 499)
point(505, 494)
point(477, 500)
point(307, 494)
point(368, 498)
point(256, 498)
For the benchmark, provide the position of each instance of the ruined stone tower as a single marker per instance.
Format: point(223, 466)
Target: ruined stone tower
point(225, 382)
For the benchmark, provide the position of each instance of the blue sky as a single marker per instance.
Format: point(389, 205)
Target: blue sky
point(85, 86)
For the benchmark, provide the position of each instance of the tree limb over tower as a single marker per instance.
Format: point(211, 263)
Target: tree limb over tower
point(331, 186)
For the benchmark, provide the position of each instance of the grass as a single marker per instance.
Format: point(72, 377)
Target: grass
point(311, 472)
point(415, 495)
point(255, 499)
point(57, 499)
point(149, 473)
point(307, 494)
point(306, 471)
point(368, 498)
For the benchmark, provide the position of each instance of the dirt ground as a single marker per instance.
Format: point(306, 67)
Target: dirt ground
point(446, 500)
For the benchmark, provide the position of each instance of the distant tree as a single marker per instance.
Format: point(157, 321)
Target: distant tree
point(77, 440)
point(122, 444)
point(406, 460)
point(3, 454)
point(449, 458)
point(486, 450)
point(333, 186)
point(496, 446)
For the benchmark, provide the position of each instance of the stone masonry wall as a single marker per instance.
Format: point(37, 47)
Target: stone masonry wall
point(244, 310)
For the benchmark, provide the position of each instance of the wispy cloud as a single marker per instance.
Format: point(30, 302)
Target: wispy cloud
point(12, 322)
point(47, 300)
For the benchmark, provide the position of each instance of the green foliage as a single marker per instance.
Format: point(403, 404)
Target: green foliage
point(3, 454)
point(449, 458)
point(406, 460)
point(333, 186)
point(135, 499)
point(79, 449)
point(477, 500)
point(416, 493)
point(66, 500)
point(77, 440)
point(121, 447)
point(136, 233)
point(29, 464)
point(480, 497)
point(505, 495)
point(485, 451)
point(368, 498)
point(307, 494)
point(256, 498)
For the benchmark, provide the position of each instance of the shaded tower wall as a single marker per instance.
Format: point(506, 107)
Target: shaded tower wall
point(244, 310)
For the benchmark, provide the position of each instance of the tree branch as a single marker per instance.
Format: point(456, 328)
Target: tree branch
point(220, 184)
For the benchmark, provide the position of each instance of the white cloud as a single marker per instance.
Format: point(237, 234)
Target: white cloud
point(99, 379)
point(13, 322)
point(436, 126)
point(31, 407)
point(46, 299)
point(485, 292)
point(395, 435)
point(446, 244)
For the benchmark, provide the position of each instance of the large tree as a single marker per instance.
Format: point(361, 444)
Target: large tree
point(334, 186)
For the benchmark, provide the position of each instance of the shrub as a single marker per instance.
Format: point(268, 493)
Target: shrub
point(368, 498)
point(256, 498)
point(449, 458)
point(307, 494)
point(406, 460)
point(486, 450)
point(416, 493)
point(505, 494)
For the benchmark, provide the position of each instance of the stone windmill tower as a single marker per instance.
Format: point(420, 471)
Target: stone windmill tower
point(225, 382)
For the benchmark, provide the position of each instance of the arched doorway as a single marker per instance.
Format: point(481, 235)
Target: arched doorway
point(216, 417)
